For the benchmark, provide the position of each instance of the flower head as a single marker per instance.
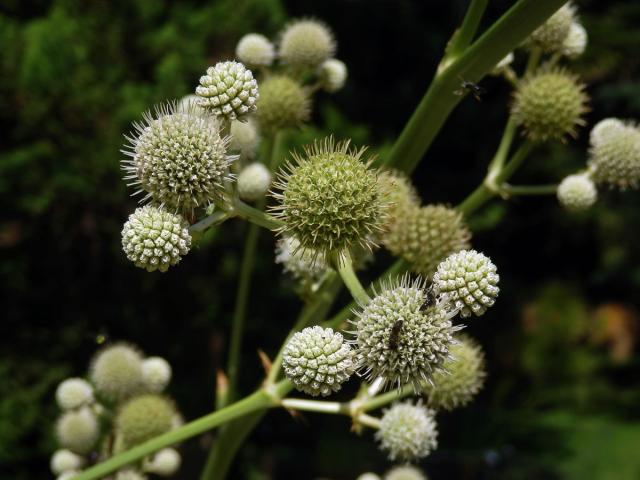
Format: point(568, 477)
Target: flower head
point(551, 35)
point(306, 43)
point(73, 393)
point(333, 74)
point(116, 371)
point(144, 417)
point(255, 50)
point(577, 192)
point(254, 182)
point(405, 472)
point(245, 138)
point(78, 430)
point(614, 157)
point(408, 432)
point(284, 103)
point(165, 462)
point(575, 43)
point(302, 264)
point(156, 374)
point(65, 460)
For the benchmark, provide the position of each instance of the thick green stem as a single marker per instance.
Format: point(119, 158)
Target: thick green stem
point(464, 35)
point(350, 279)
point(255, 215)
point(386, 398)
point(216, 218)
point(477, 60)
point(524, 190)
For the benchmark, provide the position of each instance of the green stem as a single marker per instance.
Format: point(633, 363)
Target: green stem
point(320, 406)
point(386, 398)
point(255, 215)
point(477, 60)
point(519, 190)
point(500, 157)
point(463, 37)
point(216, 218)
point(350, 279)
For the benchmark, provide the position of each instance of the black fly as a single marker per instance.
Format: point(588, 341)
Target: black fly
point(394, 336)
point(429, 300)
point(473, 88)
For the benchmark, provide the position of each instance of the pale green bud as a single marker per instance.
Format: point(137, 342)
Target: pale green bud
point(65, 460)
point(332, 74)
point(245, 138)
point(405, 472)
point(254, 182)
point(577, 192)
point(78, 430)
point(255, 50)
point(116, 372)
point(407, 432)
point(614, 157)
point(306, 43)
point(576, 42)
point(284, 103)
point(156, 374)
point(144, 417)
point(73, 393)
point(164, 463)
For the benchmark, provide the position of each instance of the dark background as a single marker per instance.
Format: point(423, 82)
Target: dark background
point(562, 399)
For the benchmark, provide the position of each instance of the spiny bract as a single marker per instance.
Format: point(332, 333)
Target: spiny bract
point(228, 90)
point(318, 361)
point(401, 337)
point(330, 199)
point(155, 239)
point(306, 43)
point(469, 280)
point(408, 432)
point(424, 236)
point(255, 50)
point(284, 103)
point(178, 157)
point(577, 192)
point(614, 156)
point(116, 371)
point(143, 418)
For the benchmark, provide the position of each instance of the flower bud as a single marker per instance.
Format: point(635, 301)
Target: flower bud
point(306, 43)
point(614, 157)
point(73, 393)
point(156, 374)
point(144, 417)
point(65, 460)
point(400, 194)
point(577, 192)
point(284, 103)
point(333, 75)
point(551, 35)
point(116, 371)
point(404, 472)
point(255, 50)
point(254, 182)
point(407, 432)
point(576, 42)
point(164, 463)
point(78, 430)
point(244, 138)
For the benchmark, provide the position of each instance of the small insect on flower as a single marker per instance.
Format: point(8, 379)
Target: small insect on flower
point(394, 335)
point(429, 299)
point(473, 88)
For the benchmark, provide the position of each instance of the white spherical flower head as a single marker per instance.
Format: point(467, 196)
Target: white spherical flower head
point(576, 41)
point(78, 430)
point(318, 361)
point(254, 182)
point(577, 192)
point(164, 463)
point(333, 75)
point(178, 157)
point(73, 393)
point(228, 90)
point(255, 50)
point(405, 472)
point(306, 43)
point(408, 432)
point(155, 239)
point(301, 263)
point(614, 157)
point(469, 280)
point(65, 460)
point(116, 371)
point(244, 138)
point(156, 374)
point(403, 335)
point(604, 128)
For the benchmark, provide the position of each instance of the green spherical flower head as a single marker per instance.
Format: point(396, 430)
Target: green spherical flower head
point(549, 105)
point(551, 35)
point(116, 372)
point(332, 74)
point(164, 463)
point(78, 430)
point(255, 50)
point(155, 239)
point(614, 157)
point(577, 192)
point(254, 182)
point(228, 90)
point(65, 460)
point(178, 157)
point(576, 42)
point(144, 417)
point(244, 138)
point(306, 43)
point(284, 103)
point(460, 380)
point(330, 199)
point(402, 336)
point(405, 472)
point(73, 393)
point(469, 280)
point(424, 236)
point(407, 432)
point(156, 374)
point(318, 361)
point(400, 194)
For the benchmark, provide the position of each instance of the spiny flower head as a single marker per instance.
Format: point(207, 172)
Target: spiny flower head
point(551, 35)
point(461, 378)
point(73, 393)
point(400, 194)
point(155, 239)
point(318, 361)
point(408, 432)
point(255, 50)
point(144, 417)
point(254, 182)
point(116, 371)
point(65, 460)
point(302, 264)
point(549, 104)
point(156, 374)
point(424, 236)
point(469, 280)
point(306, 43)
point(330, 200)
point(333, 74)
point(284, 103)
point(228, 90)
point(404, 472)
point(245, 138)
point(575, 43)
point(403, 336)
point(178, 157)
point(577, 192)
point(614, 156)
point(165, 462)
point(78, 430)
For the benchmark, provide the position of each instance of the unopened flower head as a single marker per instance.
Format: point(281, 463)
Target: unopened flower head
point(65, 460)
point(301, 263)
point(78, 430)
point(469, 280)
point(164, 463)
point(284, 103)
point(400, 194)
point(156, 374)
point(228, 90)
point(116, 371)
point(576, 41)
point(306, 43)
point(551, 35)
point(550, 104)
point(144, 417)
point(614, 157)
point(408, 432)
point(254, 182)
point(178, 157)
point(461, 378)
point(332, 74)
point(577, 192)
point(330, 199)
point(424, 236)
point(405, 472)
point(73, 393)
point(403, 335)
point(130, 474)
point(255, 50)
point(245, 138)
point(155, 239)
point(318, 361)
